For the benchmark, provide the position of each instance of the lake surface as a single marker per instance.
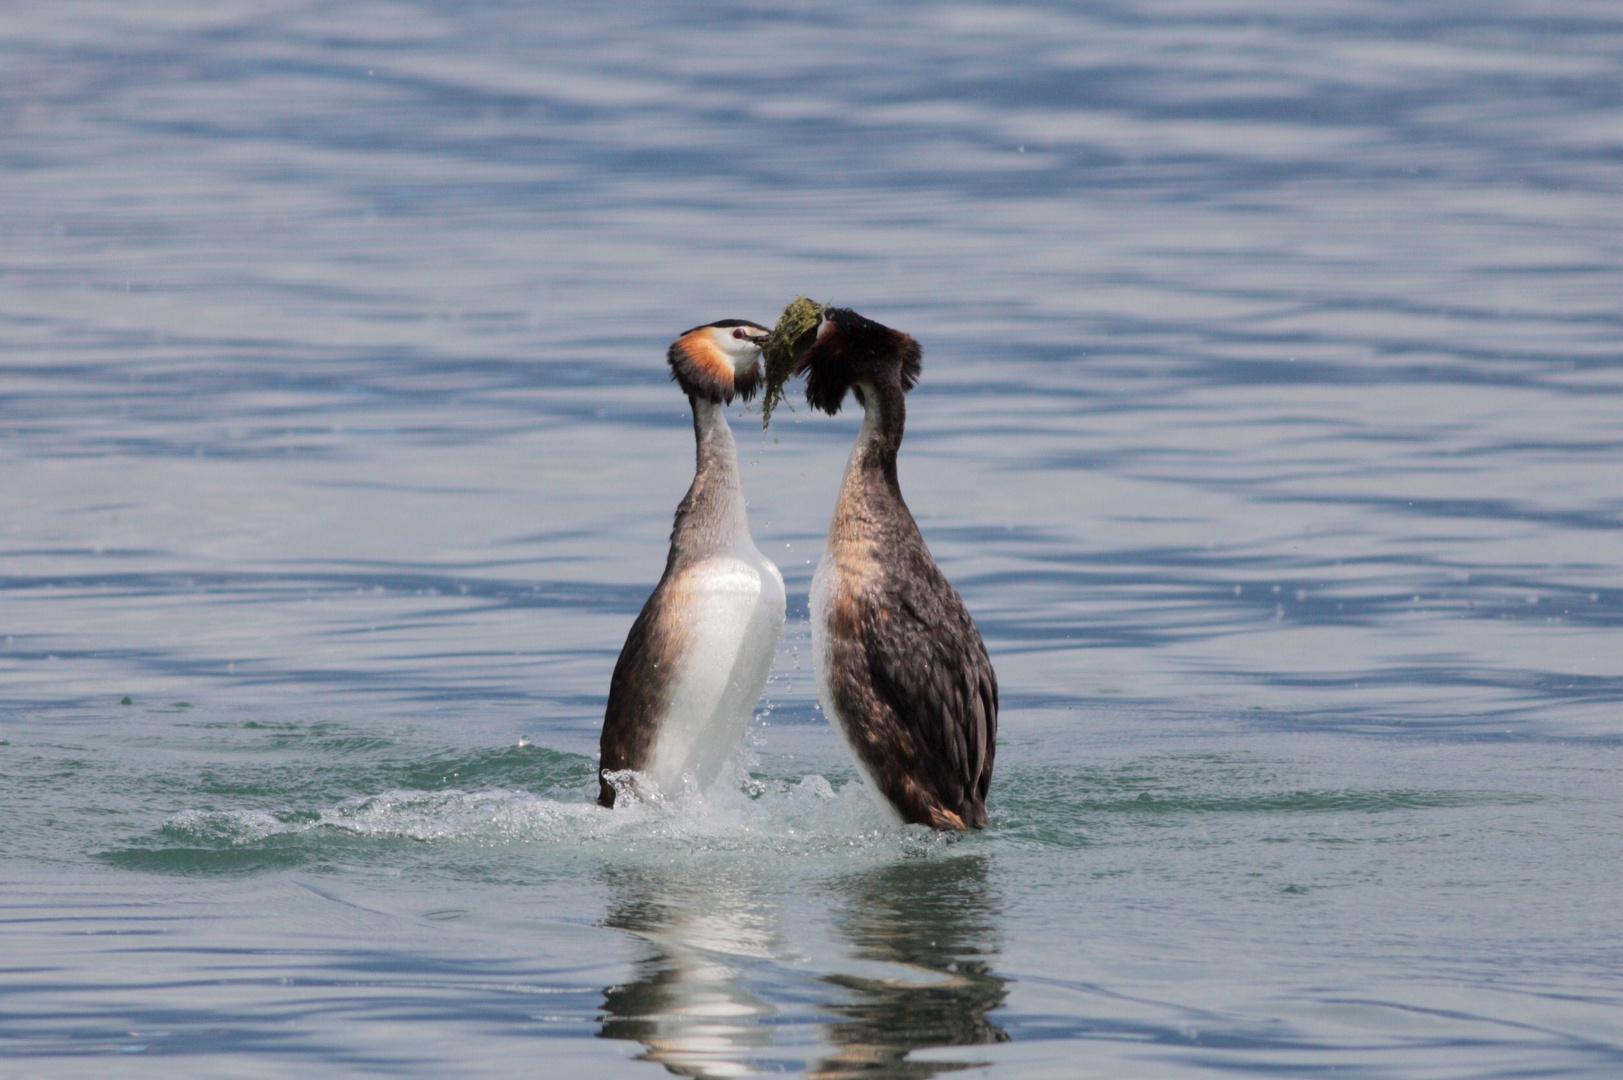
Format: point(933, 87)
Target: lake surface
point(1269, 427)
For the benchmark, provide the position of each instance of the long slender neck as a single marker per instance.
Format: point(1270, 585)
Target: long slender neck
point(711, 516)
point(884, 414)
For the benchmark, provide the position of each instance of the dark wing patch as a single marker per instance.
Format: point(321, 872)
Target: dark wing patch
point(639, 691)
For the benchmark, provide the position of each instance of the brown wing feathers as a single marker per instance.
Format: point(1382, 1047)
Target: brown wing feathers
point(932, 707)
point(639, 690)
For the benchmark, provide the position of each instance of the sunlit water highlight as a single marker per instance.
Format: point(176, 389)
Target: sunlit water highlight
point(1268, 427)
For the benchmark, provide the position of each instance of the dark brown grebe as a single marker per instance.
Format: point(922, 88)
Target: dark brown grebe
point(698, 655)
point(901, 668)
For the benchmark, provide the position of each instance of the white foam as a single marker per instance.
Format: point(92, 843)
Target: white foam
point(228, 826)
point(807, 815)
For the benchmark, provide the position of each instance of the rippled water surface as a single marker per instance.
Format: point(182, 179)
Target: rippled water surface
point(1269, 427)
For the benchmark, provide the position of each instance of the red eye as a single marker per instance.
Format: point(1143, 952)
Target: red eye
point(739, 333)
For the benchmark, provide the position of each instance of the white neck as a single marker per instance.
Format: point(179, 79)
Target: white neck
point(871, 413)
point(717, 518)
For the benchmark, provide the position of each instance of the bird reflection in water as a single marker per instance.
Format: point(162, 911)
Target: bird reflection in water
point(937, 920)
point(688, 1003)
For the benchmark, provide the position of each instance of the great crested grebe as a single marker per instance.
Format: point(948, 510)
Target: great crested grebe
point(901, 668)
point(698, 655)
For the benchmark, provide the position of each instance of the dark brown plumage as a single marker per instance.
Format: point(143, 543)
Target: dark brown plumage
point(639, 690)
point(902, 669)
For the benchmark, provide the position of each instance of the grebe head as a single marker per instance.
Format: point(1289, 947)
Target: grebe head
point(719, 359)
point(851, 349)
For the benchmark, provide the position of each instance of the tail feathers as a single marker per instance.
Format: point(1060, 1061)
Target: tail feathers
point(918, 806)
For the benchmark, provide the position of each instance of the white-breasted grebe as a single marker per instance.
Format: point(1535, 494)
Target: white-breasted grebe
point(698, 655)
point(901, 668)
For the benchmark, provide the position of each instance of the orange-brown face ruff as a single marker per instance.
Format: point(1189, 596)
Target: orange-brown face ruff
point(720, 361)
point(706, 355)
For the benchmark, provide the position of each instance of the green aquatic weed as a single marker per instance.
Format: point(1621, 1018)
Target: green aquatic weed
point(789, 339)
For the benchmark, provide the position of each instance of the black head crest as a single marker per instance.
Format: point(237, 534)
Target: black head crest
point(850, 349)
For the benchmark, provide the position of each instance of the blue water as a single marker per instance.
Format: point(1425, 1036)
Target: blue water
point(1269, 427)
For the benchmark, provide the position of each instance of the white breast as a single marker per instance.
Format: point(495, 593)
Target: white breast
point(732, 606)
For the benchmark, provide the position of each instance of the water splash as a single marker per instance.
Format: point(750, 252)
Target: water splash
point(805, 816)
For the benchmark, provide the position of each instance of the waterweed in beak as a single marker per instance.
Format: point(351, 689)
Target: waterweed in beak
point(794, 334)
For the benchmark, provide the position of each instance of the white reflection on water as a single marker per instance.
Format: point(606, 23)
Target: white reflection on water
point(688, 1002)
point(921, 937)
